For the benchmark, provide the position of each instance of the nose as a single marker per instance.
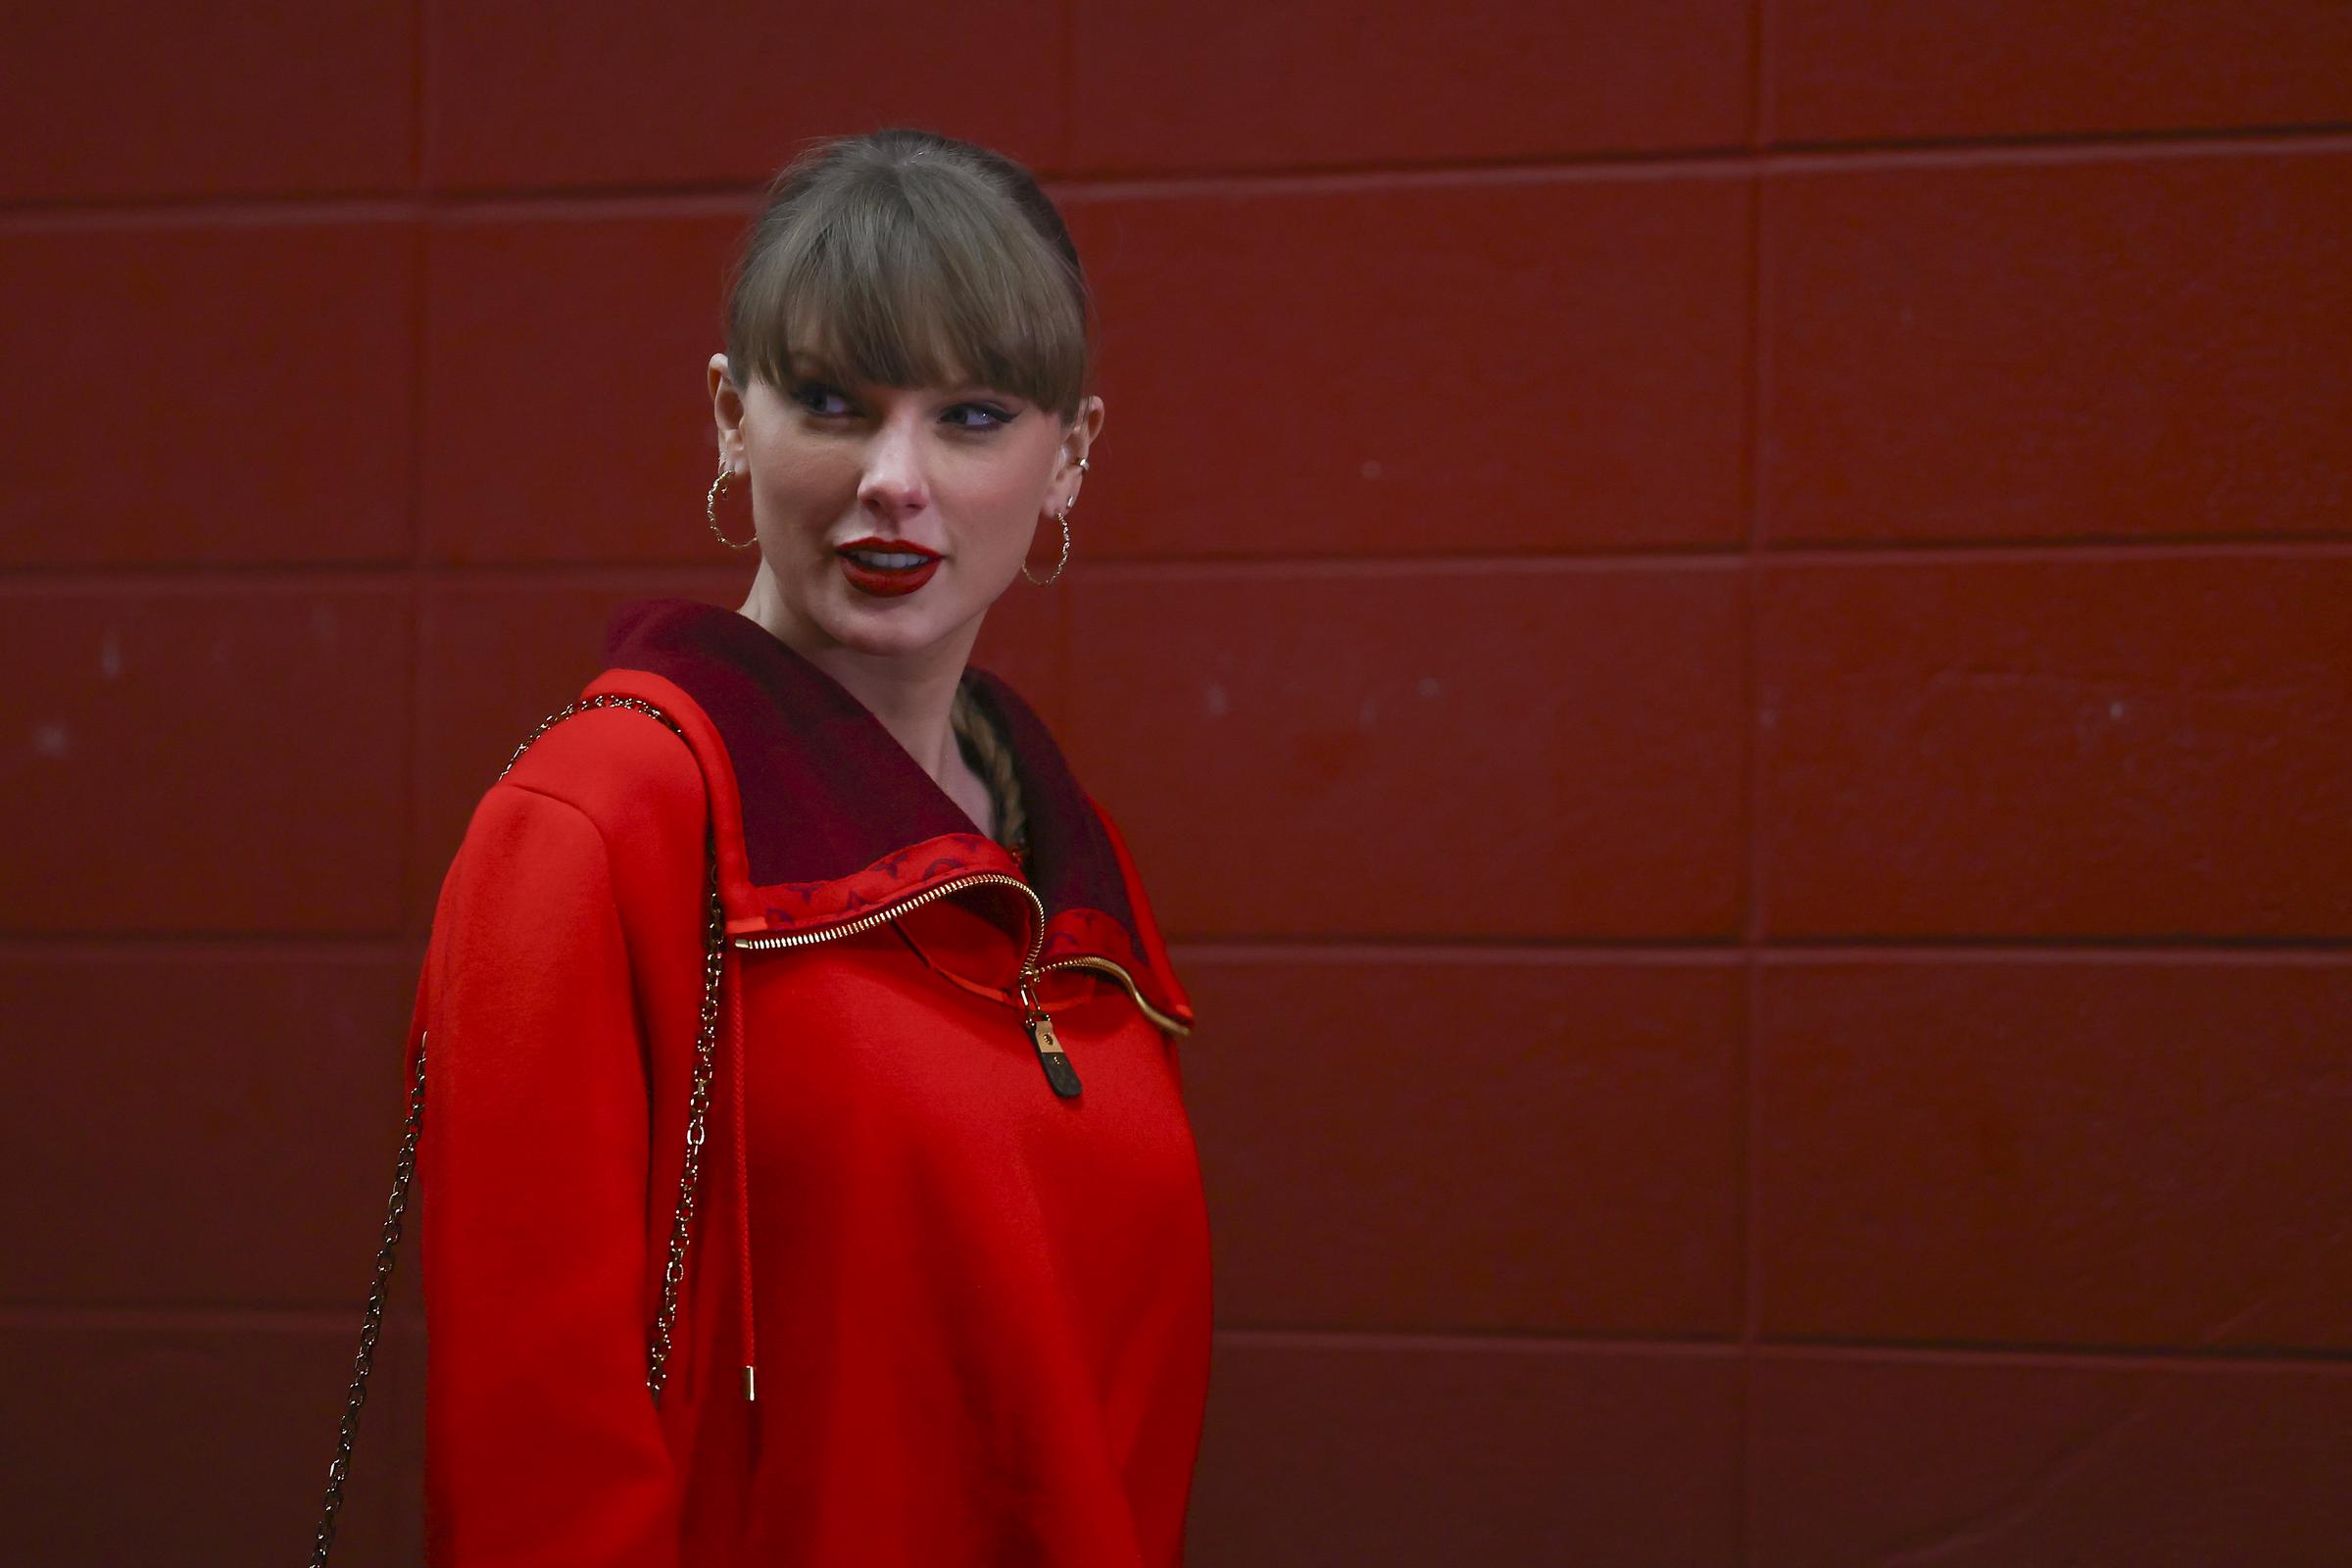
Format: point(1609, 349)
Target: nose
point(894, 485)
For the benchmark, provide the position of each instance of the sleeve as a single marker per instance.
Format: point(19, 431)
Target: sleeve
point(542, 1444)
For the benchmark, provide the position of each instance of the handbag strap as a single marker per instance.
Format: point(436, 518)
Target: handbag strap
point(404, 1169)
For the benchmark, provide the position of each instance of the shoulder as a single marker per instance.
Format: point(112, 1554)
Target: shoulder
point(619, 763)
point(605, 793)
point(603, 807)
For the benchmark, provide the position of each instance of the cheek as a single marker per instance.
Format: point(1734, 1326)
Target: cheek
point(801, 478)
point(998, 499)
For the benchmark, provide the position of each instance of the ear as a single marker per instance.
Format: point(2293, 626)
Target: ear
point(726, 409)
point(1067, 477)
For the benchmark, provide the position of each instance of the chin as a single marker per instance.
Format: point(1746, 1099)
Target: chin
point(886, 631)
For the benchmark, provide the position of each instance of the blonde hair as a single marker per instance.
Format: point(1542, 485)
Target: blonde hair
point(991, 757)
point(905, 257)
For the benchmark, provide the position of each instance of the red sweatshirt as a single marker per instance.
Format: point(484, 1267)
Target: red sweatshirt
point(978, 1307)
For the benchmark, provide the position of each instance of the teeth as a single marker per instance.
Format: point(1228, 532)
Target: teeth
point(887, 558)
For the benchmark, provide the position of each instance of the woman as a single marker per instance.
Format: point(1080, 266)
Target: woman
point(941, 1257)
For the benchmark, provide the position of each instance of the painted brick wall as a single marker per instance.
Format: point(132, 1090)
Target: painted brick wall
point(1725, 629)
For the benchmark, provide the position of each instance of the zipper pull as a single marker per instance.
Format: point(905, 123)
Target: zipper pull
point(1050, 1055)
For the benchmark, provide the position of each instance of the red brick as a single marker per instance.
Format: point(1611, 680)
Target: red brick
point(1376, 1453)
point(2124, 347)
point(396, 1459)
point(566, 412)
point(2099, 1153)
point(1515, 364)
point(1511, 751)
point(2152, 747)
point(634, 94)
point(1230, 84)
point(1488, 1141)
point(1982, 1464)
point(233, 1115)
point(229, 760)
point(197, 1441)
point(228, 394)
point(116, 99)
point(1852, 69)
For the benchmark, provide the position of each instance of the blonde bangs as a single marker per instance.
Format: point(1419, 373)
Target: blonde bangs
point(909, 270)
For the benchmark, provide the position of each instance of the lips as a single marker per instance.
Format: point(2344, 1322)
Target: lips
point(886, 567)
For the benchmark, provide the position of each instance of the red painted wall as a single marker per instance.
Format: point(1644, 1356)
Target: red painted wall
point(1726, 630)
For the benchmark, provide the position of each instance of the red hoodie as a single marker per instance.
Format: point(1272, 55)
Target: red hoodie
point(978, 1308)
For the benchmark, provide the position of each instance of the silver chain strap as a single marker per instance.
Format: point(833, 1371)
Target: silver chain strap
point(698, 1103)
point(404, 1169)
point(386, 1255)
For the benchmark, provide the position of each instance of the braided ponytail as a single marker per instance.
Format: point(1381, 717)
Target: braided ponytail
point(992, 758)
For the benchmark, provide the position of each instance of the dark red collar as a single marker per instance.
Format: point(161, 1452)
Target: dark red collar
point(838, 817)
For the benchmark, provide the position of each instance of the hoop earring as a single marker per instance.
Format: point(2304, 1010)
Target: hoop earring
point(711, 508)
point(1062, 516)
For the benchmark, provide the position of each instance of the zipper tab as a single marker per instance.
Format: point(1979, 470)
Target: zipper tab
point(1050, 1055)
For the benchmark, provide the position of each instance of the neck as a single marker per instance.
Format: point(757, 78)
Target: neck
point(911, 693)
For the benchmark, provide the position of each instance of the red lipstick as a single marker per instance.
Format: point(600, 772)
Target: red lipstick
point(887, 568)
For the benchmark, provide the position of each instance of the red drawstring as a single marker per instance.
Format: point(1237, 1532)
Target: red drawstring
point(743, 1181)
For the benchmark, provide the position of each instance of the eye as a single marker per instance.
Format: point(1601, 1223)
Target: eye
point(813, 395)
point(990, 416)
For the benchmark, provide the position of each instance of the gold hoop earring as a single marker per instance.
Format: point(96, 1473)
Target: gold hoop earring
point(711, 508)
point(1063, 516)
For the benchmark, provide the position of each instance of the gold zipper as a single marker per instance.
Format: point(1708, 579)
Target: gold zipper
point(1107, 966)
point(765, 941)
point(1034, 1017)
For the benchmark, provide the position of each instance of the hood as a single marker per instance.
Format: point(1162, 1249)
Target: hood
point(821, 814)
